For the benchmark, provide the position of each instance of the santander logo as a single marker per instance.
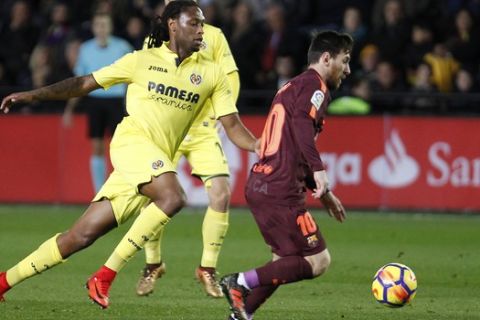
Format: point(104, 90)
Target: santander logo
point(395, 168)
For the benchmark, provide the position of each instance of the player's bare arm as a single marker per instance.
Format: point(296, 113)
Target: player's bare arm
point(65, 89)
point(239, 134)
point(333, 206)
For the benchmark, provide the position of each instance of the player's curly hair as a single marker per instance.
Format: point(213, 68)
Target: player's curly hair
point(159, 26)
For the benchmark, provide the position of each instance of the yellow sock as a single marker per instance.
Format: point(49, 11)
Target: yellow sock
point(153, 248)
point(45, 257)
point(147, 224)
point(214, 229)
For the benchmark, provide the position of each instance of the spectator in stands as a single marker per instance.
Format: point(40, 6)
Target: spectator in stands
point(356, 103)
point(279, 38)
point(444, 67)
point(55, 38)
point(354, 26)
point(210, 11)
point(464, 43)
point(18, 38)
point(245, 43)
point(71, 52)
point(466, 85)
point(392, 35)
point(430, 11)
point(105, 109)
point(284, 69)
point(422, 88)
point(369, 57)
point(136, 32)
point(421, 43)
point(40, 65)
point(387, 81)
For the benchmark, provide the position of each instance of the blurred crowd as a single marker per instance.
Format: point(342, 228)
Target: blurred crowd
point(409, 55)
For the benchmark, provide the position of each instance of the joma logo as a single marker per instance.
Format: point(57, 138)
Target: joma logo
point(159, 69)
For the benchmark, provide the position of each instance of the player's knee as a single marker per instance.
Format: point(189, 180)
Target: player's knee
point(219, 194)
point(320, 263)
point(171, 201)
point(221, 198)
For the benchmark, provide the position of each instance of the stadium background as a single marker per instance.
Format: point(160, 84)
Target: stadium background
point(414, 147)
point(404, 123)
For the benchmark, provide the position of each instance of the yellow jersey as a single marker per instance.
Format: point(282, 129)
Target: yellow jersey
point(215, 48)
point(164, 97)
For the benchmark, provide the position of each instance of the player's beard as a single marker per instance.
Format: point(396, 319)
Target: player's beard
point(333, 85)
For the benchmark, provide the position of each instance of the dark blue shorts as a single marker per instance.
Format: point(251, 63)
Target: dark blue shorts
point(104, 114)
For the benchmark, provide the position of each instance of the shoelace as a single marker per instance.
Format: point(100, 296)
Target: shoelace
point(210, 278)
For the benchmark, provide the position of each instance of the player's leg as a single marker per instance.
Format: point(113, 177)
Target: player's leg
point(214, 229)
point(282, 230)
point(155, 267)
point(97, 122)
point(258, 295)
point(207, 158)
point(97, 220)
point(98, 167)
point(167, 198)
point(145, 176)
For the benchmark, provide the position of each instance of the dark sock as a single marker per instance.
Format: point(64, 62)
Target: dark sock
point(257, 297)
point(285, 270)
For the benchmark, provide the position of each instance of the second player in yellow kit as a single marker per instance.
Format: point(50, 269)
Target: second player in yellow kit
point(203, 150)
point(167, 88)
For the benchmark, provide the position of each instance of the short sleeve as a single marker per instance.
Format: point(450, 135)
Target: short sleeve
point(121, 71)
point(223, 54)
point(311, 98)
point(309, 101)
point(222, 99)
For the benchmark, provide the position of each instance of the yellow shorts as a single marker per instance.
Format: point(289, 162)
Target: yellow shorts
point(203, 150)
point(136, 159)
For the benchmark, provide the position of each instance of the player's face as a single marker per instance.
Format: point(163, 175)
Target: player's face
point(339, 69)
point(189, 29)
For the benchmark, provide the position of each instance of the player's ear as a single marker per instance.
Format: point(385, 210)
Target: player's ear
point(172, 25)
point(325, 58)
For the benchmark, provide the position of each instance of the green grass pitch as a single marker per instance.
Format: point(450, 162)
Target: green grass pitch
point(443, 251)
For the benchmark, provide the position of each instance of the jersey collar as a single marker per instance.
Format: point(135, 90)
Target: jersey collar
point(172, 56)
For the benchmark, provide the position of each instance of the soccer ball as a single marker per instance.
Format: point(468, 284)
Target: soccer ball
point(394, 285)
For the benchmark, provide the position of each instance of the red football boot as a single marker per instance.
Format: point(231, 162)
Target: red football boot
point(98, 286)
point(4, 286)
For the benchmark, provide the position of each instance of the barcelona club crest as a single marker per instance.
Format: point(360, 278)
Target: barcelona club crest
point(157, 164)
point(196, 79)
point(312, 241)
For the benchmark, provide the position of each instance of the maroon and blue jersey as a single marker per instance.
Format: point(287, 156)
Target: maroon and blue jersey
point(288, 152)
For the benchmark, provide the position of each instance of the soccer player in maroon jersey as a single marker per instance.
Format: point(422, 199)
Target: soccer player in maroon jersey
point(289, 164)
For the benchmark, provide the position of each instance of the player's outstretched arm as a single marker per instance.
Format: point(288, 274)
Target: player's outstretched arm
point(333, 206)
point(239, 134)
point(65, 89)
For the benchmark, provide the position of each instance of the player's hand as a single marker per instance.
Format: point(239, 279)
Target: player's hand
point(321, 181)
point(333, 206)
point(15, 98)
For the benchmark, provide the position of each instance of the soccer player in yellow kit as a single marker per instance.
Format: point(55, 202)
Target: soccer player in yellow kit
point(167, 88)
point(203, 150)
